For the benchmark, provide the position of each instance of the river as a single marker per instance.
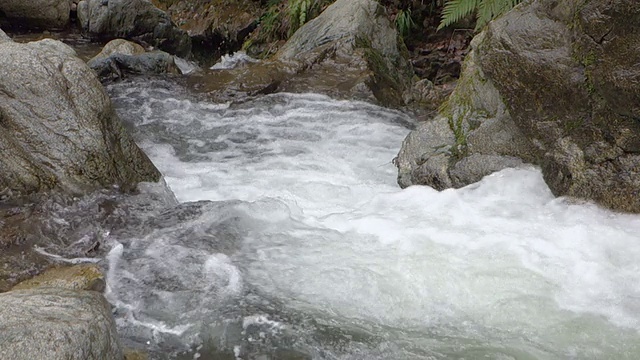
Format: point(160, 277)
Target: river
point(289, 239)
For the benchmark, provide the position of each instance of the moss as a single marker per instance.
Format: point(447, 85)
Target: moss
point(386, 85)
point(573, 124)
point(589, 59)
point(135, 354)
point(79, 277)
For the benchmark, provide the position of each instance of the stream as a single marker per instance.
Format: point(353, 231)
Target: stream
point(288, 238)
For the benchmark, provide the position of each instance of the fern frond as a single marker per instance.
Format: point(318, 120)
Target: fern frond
point(486, 10)
point(491, 9)
point(455, 10)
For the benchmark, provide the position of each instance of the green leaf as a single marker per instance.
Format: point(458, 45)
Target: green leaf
point(454, 10)
point(486, 10)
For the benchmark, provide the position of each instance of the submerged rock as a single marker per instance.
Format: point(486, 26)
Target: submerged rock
point(121, 56)
point(38, 14)
point(57, 324)
point(139, 20)
point(554, 84)
point(60, 130)
point(78, 277)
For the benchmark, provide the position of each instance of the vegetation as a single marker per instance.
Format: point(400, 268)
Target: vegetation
point(486, 10)
point(404, 22)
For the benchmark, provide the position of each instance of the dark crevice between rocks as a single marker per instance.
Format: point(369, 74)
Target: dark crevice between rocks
point(207, 48)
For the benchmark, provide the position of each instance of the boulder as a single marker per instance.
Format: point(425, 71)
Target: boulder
point(57, 324)
point(553, 84)
point(59, 129)
point(38, 14)
point(138, 20)
point(121, 56)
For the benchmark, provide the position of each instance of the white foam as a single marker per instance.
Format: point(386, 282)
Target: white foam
point(498, 262)
point(262, 319)
point(231, 61)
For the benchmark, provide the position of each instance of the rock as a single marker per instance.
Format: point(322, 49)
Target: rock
point(474, 167)
point(57, 324)
point(555, 84)
point(354, 40)
point(138, 20)
point(59, 128)
point(119, 46)
point(473, 121)
point(121, 56)
point(78, 277)
point(35, 14)
point(216, 27)
point(424, 156)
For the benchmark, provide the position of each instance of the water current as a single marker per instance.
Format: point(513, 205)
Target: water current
point(291, 240)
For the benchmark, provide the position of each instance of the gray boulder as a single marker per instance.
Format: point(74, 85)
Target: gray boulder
point(41, 14)
point(60, 130)
point(138, 20)
point(120, 56)
point(554, 84)
point(57, 324)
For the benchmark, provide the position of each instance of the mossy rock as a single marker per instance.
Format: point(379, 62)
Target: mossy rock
point(77, 277)
point(135, 354)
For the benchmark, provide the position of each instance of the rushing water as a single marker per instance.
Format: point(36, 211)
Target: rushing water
point(308, 249)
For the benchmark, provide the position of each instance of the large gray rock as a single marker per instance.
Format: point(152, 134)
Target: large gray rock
point(355, 40)
point(139, 20)
point(555, 84)
point(57, 324)
point(120, 56)
point(59, 129)
point(42, 14)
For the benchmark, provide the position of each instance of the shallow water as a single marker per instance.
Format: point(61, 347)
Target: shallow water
point(293, 241)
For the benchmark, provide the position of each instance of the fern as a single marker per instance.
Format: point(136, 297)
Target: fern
point(298, 13)
point(486, 10)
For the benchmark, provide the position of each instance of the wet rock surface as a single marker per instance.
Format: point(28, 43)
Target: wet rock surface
point(78, 277)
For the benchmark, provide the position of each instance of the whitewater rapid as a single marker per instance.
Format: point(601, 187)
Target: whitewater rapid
point(293, 241)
